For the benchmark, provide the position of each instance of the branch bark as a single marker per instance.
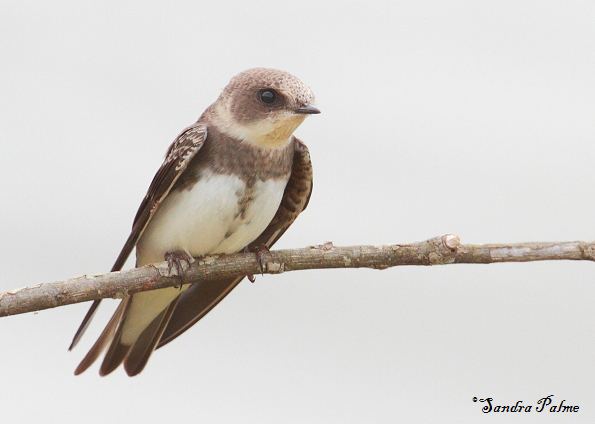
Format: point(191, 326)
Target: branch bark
point(441, 250)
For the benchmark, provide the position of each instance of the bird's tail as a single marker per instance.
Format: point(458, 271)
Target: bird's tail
point(133, 331)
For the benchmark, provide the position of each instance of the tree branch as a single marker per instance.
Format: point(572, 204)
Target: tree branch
point(442, 250)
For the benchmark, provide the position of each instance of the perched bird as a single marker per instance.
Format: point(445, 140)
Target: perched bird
point(234, 181)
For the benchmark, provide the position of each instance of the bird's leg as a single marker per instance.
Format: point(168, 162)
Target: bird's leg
point(176, 259)
point(251, 277)
point(260, 251)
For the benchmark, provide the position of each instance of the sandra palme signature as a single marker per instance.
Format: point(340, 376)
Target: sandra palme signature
point(546, 404)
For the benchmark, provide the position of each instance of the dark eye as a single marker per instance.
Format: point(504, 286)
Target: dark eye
point(268, 96)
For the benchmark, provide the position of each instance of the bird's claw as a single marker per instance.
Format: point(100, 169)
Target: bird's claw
point(176, 260)
point(260, 252)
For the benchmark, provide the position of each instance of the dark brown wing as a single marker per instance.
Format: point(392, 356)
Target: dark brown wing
point(200, 298)
point(179, 154)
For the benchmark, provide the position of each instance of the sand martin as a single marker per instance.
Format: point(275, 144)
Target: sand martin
point(233, 181)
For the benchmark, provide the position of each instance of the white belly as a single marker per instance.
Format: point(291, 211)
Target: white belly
point(208, 218)
point(205, 219)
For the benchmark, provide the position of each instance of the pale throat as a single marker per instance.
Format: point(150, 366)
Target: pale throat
point(269, 133)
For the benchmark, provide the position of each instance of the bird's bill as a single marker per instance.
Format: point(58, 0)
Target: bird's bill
point(307, 110)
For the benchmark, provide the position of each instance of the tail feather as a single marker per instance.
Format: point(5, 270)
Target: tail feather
point(145, 345)
point(102, 341)
point(133, 332)
point(117, 351)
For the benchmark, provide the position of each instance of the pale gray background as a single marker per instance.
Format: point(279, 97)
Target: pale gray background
point(438, 116)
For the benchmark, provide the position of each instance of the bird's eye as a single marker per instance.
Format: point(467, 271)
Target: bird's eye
point(267, 96)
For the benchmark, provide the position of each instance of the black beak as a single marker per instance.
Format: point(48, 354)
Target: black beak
point(308, 110)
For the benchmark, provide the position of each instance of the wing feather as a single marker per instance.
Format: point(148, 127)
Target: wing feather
point(177, 158)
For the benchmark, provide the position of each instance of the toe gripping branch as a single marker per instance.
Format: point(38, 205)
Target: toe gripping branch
point(176, 260)
point(260, 252)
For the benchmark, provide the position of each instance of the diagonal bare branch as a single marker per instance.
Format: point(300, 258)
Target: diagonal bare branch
point(441, 250)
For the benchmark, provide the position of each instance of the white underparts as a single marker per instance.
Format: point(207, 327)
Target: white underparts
point(219, 214)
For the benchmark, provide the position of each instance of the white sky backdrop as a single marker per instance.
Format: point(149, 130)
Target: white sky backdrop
point(472, 117)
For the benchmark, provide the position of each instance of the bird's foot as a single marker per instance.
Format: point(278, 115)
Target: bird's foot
point(176, 260)
point(260, 251)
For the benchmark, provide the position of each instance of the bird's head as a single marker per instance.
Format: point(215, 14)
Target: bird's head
point(263, 106)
